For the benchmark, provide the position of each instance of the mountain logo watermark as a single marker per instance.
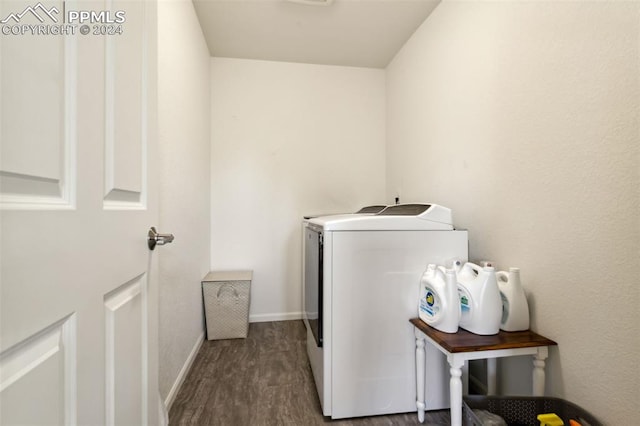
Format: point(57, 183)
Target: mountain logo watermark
point(38, 11)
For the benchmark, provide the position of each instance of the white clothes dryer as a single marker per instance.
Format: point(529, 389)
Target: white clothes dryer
point(361, 286)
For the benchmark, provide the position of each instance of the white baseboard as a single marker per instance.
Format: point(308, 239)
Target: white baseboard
point(183, 373)
point(284, 316)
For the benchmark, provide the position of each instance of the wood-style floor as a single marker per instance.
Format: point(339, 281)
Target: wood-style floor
point(264, 379)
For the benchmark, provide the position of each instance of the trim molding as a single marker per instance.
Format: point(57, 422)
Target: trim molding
point(282, 316)
point(168, 402)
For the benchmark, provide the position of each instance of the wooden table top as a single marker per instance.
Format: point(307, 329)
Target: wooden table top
point(464, 341)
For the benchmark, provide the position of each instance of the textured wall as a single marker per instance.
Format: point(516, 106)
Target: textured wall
point(523, 117)
point(184, 113)
point(288, 140)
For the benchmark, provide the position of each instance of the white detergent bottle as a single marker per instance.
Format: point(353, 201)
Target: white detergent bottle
point(515, 309)
point(439, 303)
point(480, 301)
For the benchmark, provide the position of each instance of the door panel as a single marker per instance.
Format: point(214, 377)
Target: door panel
point(44, 366)
point(125, 136)
point(125, 310)
point(37, 76)
point(78, 326)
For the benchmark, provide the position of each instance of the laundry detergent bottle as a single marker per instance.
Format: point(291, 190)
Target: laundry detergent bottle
point(480, 301)
point(439, 304)
point(515, 309)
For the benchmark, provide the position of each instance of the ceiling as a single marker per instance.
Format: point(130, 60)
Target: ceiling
point(360, 33)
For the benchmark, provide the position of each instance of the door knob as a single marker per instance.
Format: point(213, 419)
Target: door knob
point(154, 238)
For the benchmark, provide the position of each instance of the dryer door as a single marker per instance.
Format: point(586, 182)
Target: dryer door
point(313, 282)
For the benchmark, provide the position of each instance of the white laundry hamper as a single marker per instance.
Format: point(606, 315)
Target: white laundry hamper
point(227, 296)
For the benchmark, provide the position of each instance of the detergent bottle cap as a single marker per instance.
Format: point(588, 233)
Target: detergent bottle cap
point(453, 264)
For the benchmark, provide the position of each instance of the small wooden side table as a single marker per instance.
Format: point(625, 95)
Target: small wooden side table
point(464, 346)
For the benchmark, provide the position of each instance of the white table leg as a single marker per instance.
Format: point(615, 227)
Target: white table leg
point(420, 366)
point(455, 390)
point(538, 370)
point(492, 367)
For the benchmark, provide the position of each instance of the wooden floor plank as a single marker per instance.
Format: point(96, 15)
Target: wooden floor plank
point(264, 379)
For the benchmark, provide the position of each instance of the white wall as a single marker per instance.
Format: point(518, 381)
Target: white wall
point(523, 117)
point(288, 140)
point(184, 113)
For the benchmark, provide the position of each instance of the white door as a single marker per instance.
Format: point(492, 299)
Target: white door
point(78, 342)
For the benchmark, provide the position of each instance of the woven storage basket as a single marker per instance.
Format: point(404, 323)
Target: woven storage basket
point(523, 411)
point(226, 304)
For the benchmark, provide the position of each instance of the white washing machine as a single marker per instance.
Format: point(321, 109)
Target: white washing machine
point(361, 287)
